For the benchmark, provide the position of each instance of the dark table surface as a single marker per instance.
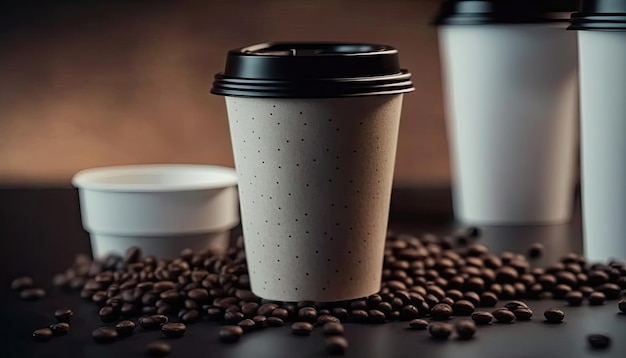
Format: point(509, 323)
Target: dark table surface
point(40, 233)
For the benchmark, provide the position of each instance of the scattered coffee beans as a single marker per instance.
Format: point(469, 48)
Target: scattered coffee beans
point(60, 329)
point(43, 334)
point(554, 315)
point(158, 349)
point(599, 341)
point(174, 330)
point(333, 329)
point(482, 317)
point(301, 328)
point(63, 315)
point(336, 345)
point(465, 329)
point(104, 335)
point(125, 328)
point(440, 330)
point(231, 334)
point(503, 315)
point(418, 324)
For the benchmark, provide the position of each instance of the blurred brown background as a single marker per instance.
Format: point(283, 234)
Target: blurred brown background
point(93, 83)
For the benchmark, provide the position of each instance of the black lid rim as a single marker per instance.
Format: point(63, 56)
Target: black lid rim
point(598, 21)
point(327, 88)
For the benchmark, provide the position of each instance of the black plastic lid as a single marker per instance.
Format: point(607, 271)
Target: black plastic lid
point(484, 12)
point(312, 70)
point(603, 15)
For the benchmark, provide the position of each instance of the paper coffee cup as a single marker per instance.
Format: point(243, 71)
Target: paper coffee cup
point(603, 126)
point(315, 171)
point(511, 101)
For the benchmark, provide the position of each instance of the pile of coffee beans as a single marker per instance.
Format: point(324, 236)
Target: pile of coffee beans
point(426, 281)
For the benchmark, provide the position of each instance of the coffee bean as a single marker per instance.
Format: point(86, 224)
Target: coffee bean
point(441, 311)
point(523, 313)
point(163, 286)
point(342, 313)
point(63, 315)
point(60, 328)
point(408, 313)
point(535, 250)
point(32, 294)
point(198, 295)
point(440, 330)
point(301, 328)
point(108, 314)
point(191, 316)
point(376, 317)
point(418, 324)
point(513, 305)
point(43, 334)
point(307, 314)
point(125, 328)
point(599, 341)
point(233, 317)
point(488, 299)
point(22, 283)
point(554, 315)
point(560, 291)
point(473, 297)
point(610, 290)
point(158, 349)
point(455, 295)
point(503, 315)
point(596, 298)
point(247, 325)
point(465, 329)
point(323, 312)
point(574, 298)
point(356, 315)
point(132, 254)
point(323, 319)
point(482, 317)
point(336, 345)
point(622, 305)
point(231, 334)
point(597, 278)
point(506, 274)
point(250, 309)
point(275, 322)
point(104, 335)
point(153, 322)
point(259, 321)
point(462, 308)
point(174, 330)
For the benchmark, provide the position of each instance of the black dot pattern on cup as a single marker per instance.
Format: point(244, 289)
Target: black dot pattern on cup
point(302, 164)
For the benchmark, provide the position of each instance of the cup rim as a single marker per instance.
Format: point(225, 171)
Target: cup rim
point(103, 178)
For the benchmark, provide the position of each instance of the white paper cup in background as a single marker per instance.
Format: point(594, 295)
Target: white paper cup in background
point(510, 80)
point(603, 126)
point(162, 209)
point(314, 128)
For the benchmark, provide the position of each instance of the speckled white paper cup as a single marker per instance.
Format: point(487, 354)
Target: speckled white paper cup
point(315, 179)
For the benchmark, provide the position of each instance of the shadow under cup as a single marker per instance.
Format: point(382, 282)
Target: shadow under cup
point(314, 148)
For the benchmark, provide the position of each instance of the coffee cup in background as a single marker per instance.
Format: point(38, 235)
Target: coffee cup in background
point(510, 80)
point(602, 52)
